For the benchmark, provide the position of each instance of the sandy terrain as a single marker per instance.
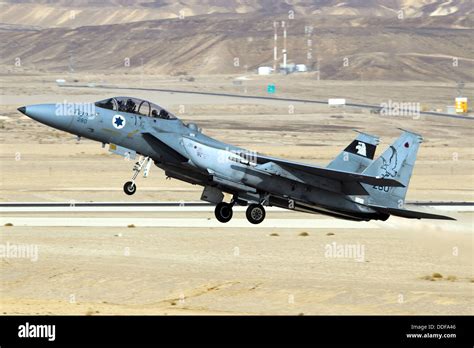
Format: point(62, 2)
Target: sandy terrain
point(245, 270)
point(255, 270)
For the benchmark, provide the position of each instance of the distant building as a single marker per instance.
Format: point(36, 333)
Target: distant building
point(301, 68)
point(283, 69)
point(336, 102)
point(265, 70)
point(288, 68)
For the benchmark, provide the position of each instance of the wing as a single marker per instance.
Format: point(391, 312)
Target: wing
point(338, 175)
point(165, 152)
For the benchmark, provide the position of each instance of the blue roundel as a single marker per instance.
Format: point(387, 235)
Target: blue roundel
point(118, 121)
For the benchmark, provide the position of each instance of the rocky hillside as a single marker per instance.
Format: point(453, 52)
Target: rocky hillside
point(376, 45)
point(76, 13)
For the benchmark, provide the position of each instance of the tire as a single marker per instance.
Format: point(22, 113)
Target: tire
point(223, 212)
point(255, 213)
point(129, 188)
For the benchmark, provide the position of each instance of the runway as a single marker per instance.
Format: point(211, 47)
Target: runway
point(128, 215)
point(181, 222)
point(179, 206)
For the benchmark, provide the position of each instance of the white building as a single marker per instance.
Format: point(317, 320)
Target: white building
point(265, 70)
point(301, 67)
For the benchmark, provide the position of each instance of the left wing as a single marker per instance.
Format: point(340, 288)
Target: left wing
point(166, 153)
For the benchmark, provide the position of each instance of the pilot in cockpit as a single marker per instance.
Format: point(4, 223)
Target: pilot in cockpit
point(130, 106)
point(164, 114)
point(121, 107)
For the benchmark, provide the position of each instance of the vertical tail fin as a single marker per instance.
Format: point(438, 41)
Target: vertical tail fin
point(357, 155)
point(397, 163)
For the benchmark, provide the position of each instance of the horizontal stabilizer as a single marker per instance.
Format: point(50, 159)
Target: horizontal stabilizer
point(410, 214)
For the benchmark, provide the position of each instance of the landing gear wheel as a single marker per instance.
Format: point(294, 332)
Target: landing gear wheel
point(255, 213)
point(223, 212)
point(129, 188)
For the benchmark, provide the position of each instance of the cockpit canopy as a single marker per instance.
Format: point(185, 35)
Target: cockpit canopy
point(135, 106)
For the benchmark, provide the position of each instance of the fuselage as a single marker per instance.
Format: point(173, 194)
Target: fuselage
point(185, 153)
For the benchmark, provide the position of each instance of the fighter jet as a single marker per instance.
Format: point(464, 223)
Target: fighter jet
point(353, 186)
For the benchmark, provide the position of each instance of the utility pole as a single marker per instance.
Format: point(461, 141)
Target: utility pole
point(275, 52)
point(283, 24)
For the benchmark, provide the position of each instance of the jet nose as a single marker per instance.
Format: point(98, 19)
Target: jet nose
point(47, 114)
point(22, 109)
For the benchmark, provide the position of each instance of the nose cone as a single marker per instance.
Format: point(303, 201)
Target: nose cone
point(48, 114)
point(22, 109)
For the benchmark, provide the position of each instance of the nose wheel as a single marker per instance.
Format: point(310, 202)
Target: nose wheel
point(255, 213)
point(130, 187)
point(223, 212)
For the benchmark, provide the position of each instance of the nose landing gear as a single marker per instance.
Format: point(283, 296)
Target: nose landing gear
point(130, 187)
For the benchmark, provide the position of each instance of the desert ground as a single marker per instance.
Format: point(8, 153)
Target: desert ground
point(112, 262)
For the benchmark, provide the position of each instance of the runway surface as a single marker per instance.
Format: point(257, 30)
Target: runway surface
point(181, 222)
point(129, 217)
point(180, 206)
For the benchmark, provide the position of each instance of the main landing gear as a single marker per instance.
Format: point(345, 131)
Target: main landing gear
point(130, 187)
point(255, 212)
point(223, 212)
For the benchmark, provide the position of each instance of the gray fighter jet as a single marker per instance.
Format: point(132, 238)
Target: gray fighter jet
point(353, 186)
